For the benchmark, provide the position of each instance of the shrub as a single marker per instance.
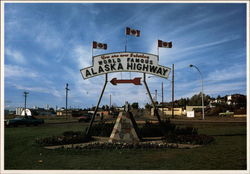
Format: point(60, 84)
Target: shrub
point(69, 137)
point(240, 111)
point(173, 134)
point(166, 128)
point(72, 133)
point(186, 131)
point(150, 130)
point(190, 139)
point(147, 130)
point(102, 129)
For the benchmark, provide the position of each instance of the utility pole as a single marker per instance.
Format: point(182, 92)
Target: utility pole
point(67, 89)
point(25, 99)
point(162, 94)
point(110, 103)
point(173, 91)
point(156, 95)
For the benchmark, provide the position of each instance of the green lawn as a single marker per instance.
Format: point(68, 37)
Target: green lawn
point(228, 152)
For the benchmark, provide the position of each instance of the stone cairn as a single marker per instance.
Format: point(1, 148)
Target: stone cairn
point(124, 129)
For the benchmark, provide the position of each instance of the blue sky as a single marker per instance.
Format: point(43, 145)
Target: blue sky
point(46, 45)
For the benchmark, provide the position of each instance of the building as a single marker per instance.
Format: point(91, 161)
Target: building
point(236, 99)
point(229, 99)
point(119, 108)
point(62, 113)
point(19, 110)
point(191, 110)
point(168, 111)
point(99, 113)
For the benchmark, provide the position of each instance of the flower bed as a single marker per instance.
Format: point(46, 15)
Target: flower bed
point(119, 146)
point(68, 137)
point(171, 134)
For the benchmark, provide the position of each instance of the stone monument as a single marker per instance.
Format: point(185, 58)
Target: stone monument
point(124, 130)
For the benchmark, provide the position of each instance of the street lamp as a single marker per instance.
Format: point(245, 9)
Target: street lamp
point(202, 101)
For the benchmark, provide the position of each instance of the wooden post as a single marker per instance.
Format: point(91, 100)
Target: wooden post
point(173, 91)
point(93, 117)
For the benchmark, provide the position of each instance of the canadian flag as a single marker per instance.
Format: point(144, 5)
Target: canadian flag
point(164, 44)
point(98, 45)
point(130, 31)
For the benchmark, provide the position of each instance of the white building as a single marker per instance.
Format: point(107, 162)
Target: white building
point(229, 99)
point(19, 110)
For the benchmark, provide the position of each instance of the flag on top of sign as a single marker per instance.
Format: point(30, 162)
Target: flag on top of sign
point(98, 45)
point(164, 44)
point(130, 31)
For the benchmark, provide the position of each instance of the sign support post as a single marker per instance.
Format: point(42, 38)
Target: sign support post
point(173, 91)
point(93, 117)
point(155, 108)
point(125, 62)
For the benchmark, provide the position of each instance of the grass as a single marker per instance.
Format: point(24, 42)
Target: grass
point(228, 152)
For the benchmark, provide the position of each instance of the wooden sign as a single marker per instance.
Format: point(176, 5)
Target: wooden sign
point(125, 62)
point(135, 81)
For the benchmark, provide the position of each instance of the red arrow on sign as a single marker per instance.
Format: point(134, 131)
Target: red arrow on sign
point(135, 81)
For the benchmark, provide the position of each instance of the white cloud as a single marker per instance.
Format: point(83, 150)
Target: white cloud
point(46, 35)
point(41, 61)
point(80, 87)
point(188, 89)
point(225, 87)
point(82, 56)
point(180, 50)
point(15, 55)
point(201, 18)
point(126, 92)
point(233, 72)
point(213, 43)
point(17, 71)
point(189, 36)
point(54, 92)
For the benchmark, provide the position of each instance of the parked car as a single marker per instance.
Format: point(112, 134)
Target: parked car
point(85, 117)
point(26, 120)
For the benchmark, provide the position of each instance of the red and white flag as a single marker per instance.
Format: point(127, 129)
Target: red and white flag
point(164, 44)
point(98, 45)
point(130, 31)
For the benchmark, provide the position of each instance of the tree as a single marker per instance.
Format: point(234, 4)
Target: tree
point(135, 105)
point(196, 100)
point(106, 107)
point(239, 100)
point(182, 102)
point(103, 107)
point(148, 106)
point(52, 110)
